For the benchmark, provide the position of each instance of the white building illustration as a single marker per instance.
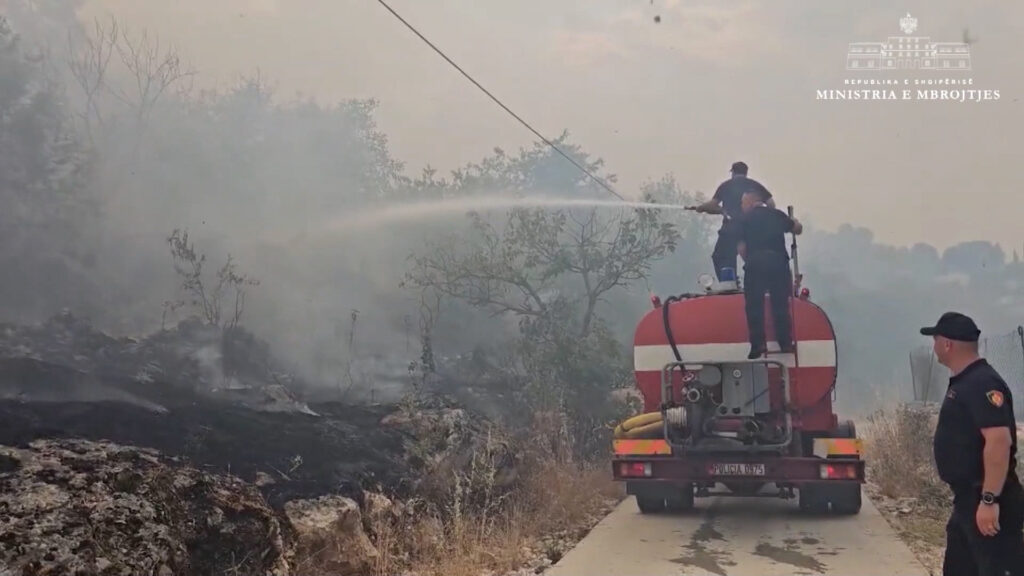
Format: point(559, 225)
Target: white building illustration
point(909, 52)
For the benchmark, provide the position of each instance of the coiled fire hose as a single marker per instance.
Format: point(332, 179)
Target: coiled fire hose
point(650, 425)
point(643, 426)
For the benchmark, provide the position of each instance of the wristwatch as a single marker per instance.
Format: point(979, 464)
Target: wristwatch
point(989, 498)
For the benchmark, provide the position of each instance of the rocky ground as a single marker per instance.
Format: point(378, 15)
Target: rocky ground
point(921, 525)
point(188, 453)
point(80, 507)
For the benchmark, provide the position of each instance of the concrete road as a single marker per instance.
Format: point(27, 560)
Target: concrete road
point(739, 537)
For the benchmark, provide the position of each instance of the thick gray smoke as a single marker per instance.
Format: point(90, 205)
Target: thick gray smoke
point(108, 147)
point(116, 151)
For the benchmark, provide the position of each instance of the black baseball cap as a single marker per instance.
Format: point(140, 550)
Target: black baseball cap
point(955, 326)
point(739, 168)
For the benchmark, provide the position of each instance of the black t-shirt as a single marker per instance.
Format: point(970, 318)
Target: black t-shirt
point(764, 230)
point(731, 191)
point(976, 398)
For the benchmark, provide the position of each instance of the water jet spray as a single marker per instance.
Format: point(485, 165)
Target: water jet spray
point(375, 217)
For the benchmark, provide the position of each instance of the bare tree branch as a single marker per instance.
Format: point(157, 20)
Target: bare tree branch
point(538, 249)
point(89, 64)
point(153, 69)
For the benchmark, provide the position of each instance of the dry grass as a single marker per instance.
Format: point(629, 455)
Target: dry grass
point(899, 455)
point(903, 482)
point(480, 530)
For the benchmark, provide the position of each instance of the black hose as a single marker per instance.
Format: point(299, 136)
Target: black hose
point(668, 327)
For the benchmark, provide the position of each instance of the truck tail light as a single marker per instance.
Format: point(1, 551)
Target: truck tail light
point(838, 472)
point(635, 469)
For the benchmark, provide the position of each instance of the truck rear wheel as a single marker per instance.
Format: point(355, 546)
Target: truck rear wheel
point(846, 430)
point(812, 499)
point(682, 501)
point(843, 498)
point(650, 504)
point(846, 498)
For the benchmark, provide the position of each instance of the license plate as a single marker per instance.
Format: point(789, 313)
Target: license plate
point(737, 470)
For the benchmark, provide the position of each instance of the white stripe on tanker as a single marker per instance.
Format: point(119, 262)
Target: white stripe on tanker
point(813, 354)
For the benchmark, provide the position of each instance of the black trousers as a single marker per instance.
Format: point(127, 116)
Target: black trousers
point(970, 553)
point(724, 254)
point(776, 280)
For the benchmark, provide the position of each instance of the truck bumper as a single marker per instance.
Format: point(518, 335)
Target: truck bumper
point(725, 468)
point(652, 461)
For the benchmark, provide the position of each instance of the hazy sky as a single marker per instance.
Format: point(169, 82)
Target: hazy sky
point(714, 81)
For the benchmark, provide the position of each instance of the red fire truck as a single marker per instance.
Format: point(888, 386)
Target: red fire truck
point(718, 424)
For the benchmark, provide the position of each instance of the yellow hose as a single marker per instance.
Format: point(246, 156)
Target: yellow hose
point(643, 426)
point(641, 420)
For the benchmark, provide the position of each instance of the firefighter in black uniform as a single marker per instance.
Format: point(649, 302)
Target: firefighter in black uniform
point(761, 235)
point(726, 202)
point(976, 454)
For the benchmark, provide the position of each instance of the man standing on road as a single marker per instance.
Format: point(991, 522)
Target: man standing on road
point(976, 454)
point(726, 202)
point(761, 240)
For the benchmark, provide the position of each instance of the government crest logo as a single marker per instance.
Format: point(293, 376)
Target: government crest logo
point(909, 52)
point(908, 24)
point(909, 66)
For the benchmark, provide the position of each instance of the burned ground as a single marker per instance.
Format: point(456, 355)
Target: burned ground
point(337, 452)
point(192, 451)
point(196, 438)
point(216, 400)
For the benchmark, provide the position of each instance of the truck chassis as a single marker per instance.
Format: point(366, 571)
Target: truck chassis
point(825, 470)
point(666, 482)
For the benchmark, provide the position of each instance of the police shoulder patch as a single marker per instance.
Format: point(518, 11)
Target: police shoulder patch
point(995, 397)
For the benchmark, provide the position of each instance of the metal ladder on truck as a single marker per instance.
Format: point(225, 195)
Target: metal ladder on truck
point(794, 293)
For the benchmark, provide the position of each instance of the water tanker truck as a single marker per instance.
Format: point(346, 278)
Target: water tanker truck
point(718, 424)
